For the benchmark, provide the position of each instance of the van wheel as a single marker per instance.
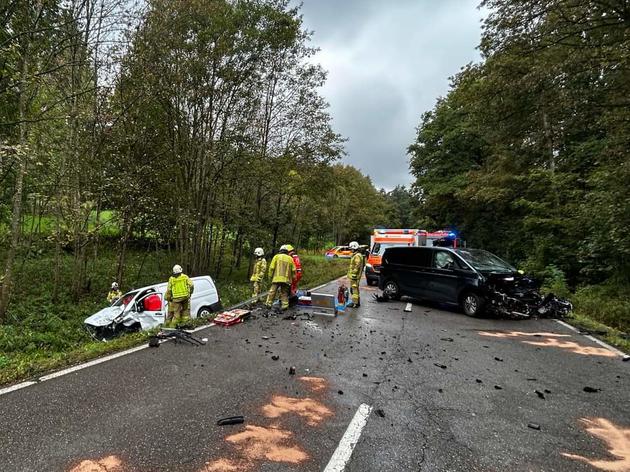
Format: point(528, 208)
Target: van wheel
point(392, 290)
point(204, 312)
point(472, 304)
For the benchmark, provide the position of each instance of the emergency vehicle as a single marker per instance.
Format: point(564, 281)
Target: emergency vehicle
point(381, 239)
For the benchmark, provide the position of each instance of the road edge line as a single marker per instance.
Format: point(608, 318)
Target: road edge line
point(15, 387)
point(594, 339)
point(343, 453)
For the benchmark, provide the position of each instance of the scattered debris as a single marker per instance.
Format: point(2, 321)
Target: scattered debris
point(535, 426)
point(441, 366)
point(179, 335)
point(498, 387)
point(478, 381)
point(292, 370)
point(450, 340)
point(588, 389)
point(231, 420)
point(408, 307)
point(154, 341)
point(275, 358)
point(380, 413)
point(498, 359)
point(381, 298)
point(625, 359)
point(540, 394)
point(340, 392)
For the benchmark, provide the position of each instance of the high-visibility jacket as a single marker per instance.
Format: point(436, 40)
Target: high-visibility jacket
point(356, 266)
point(260, 267)
point(113, 295)
point(298, 267)
point(282, 269)
point(179, 288)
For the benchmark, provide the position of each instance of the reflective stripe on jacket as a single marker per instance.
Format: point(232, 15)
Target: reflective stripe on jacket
point(356, 266)
point(179, 287)
point(281, 269)
point(259, 270)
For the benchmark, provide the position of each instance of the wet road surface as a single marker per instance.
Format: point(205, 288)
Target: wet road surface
point(445, 392)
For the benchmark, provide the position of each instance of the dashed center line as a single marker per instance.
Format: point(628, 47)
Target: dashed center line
point(342, 454)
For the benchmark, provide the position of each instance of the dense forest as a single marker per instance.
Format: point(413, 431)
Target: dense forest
point(194, 127)
point(529, 153)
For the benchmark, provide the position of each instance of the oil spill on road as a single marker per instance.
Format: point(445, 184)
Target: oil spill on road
point(617, 440)
point(550, 340)
point(106, 464)
point(312, 411)
point(316, 384)
point(274, 443)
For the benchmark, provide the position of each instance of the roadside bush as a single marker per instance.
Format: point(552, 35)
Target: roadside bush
point(609, 305)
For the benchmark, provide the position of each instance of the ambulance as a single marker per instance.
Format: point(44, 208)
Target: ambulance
point(381, 239)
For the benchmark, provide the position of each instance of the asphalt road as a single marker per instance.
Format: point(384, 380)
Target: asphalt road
point(447, 392)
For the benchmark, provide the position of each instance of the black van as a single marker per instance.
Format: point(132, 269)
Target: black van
point(462, 276)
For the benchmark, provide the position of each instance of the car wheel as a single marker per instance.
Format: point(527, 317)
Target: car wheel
point(391, 289)
point(472, 304)
point(204, 312)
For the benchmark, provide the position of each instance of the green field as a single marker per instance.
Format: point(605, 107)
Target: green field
point(42, 335)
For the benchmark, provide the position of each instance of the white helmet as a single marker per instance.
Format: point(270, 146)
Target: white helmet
point(177, 269)
point(354, 245)
point(258, 252)
point(284, 247)
point(115, 286)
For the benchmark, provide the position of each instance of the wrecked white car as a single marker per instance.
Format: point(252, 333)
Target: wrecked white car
point(145, 308)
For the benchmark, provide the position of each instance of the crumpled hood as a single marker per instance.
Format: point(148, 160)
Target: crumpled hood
point(104, 317)
point(509, 281)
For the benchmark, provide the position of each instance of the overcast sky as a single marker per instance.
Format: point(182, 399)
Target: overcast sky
point(388, 61)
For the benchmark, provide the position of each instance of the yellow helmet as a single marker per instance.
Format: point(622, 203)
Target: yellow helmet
point(289, 248)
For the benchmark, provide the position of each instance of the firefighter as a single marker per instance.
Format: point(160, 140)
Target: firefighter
point(114, 294)
point(178, 293)
point(260, 267)
point(281, 273)
point(355, 270)
point(298, 269)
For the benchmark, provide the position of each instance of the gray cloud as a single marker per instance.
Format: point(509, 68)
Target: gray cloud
point(388, 62)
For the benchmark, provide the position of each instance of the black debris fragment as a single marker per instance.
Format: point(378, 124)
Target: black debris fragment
point(588, 389)
point(275, 358)
point(154, 342)
point(498, 359)
point(292, 370)
point(231, 420)
point(380, 413)
point(498, 387)
point(540, 394)
point(478, 381)
point(450, 340)
point(441, 366)
point(340, 392)
point(535, 426)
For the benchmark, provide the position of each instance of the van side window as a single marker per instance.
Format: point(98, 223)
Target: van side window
point(419, 258)
point(443, 260)
point(202, 285)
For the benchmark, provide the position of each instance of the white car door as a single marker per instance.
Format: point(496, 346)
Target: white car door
point(151, 310)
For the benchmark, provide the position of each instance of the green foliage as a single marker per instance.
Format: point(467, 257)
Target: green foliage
point(608, 304)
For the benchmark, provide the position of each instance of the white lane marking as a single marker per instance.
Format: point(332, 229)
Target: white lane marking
point(342, 454)
point(567, 325)
point(607, 346)
point(594, 339)
point(100, 360)
point(13, 388)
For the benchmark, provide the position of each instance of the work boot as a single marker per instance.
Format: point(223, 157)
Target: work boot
point(353, 305)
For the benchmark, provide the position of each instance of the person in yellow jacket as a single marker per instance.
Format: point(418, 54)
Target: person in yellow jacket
point(355, 270)
point(178, 293)
point(114, 294)
point(281, 272)
point(260, 267)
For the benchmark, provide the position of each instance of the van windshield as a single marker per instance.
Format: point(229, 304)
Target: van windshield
point(484, 260)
